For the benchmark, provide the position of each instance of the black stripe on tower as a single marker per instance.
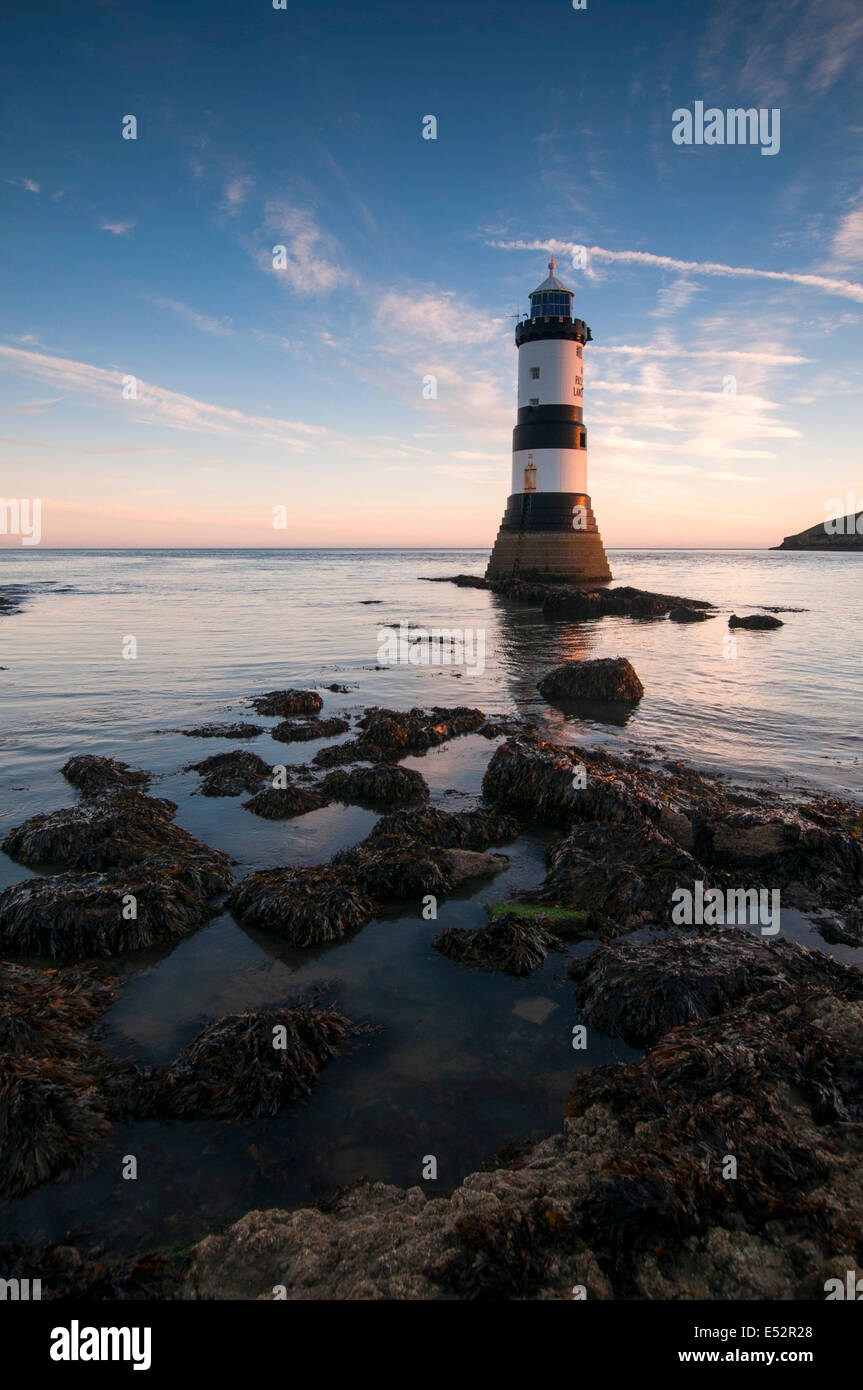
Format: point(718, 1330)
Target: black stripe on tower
point(549, 434)
point(532, 330)
point(528, 414)
point(546, 511)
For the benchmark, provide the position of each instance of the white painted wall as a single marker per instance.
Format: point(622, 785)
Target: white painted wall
point(560, 373)
point(557, 470)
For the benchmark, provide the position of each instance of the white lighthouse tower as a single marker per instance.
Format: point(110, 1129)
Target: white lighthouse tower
point(548, 529)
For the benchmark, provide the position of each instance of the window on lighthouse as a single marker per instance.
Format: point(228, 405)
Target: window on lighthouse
point(534, 372)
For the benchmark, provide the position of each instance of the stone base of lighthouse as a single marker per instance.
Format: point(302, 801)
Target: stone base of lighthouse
point(537, 540)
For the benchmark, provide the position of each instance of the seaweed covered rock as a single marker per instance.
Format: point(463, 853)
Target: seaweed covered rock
point(281, 803)
point(638, 993)
point(92, 775)
point(284, 703)
point(111, 830)
point(395, 732)
point(399, 868)
point(384, 784)
point(45, 1013)
point(248, 1065)
point(51, 1116)
point(73, 916)
point(303, 731)
point(631, 1199)
point(812, 851)
point(609, 678)
point(355, 750)
point(513, 944)
point(755, 622)
point(308, 906)
point(625, 873)
point(51, 1110)
point(236, 730)
point(688, 615)
point(447, 829)
point(231, 774)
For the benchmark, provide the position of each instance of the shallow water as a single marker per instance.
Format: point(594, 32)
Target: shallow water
point(459, 1067)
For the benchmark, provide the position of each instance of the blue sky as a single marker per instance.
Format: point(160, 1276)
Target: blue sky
point(302, 388)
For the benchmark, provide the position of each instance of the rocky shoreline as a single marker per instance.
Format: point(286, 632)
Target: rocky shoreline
point(753, 1044)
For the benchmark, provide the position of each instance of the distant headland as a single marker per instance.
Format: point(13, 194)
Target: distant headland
point(837, 533)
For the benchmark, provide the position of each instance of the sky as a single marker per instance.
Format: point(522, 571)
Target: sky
point(163, 383)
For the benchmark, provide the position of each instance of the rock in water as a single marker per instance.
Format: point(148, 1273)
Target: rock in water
point(689, 615)
point(247, 1065)
point(307, 905)
point(280, 803)
point(231, 774)
point(287, 702)
point(75, 916)
point(305, 731)
point(755, 622)
point(240, 730)
point(516, 945)
point(610, 678)
point(638, 993)
point(384, 784)
point(92, 775)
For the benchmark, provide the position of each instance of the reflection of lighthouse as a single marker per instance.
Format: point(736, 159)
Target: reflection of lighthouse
point(548, 528)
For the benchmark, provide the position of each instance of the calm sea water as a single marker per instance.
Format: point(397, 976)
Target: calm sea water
point(466, 1061)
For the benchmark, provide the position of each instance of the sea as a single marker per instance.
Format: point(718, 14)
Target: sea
point(116, 652)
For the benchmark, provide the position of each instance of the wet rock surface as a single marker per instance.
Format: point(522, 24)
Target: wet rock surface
point(236, 730)
point(630, 1198)
point(247, 1065)
point(406, 856)
point(447, 829)
point(231, 774)
point(92, 775)
point(106, 832)
point(635, 832)
point(134, 879)
point(640, 992)
point(51, 1110)
point(688, 615)
point(284, 703)
point(560, 599)
point(305, 731)
point(513, 944)
point(755, 622)
point(610, 678)
point(72, 916)
point(282, 803)
point(307, 906)
point(384, 785)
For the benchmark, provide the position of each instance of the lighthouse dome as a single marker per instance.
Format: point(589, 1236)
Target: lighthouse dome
point(551, 299)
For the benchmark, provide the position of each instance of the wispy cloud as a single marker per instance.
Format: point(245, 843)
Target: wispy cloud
point(847, 245)
point(117, 228)
point(311, 259)
point(236, 192)
point(30, 184)
point(218, 327)
point(847, 289)
point(155, 404)
point(435, 319)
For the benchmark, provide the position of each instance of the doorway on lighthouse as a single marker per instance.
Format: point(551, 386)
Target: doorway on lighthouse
point(530, 475)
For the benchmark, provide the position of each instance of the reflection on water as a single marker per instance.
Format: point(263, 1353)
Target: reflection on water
point(466, 1061)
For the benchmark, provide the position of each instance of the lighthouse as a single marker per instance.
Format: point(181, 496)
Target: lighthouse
point(548, 529)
